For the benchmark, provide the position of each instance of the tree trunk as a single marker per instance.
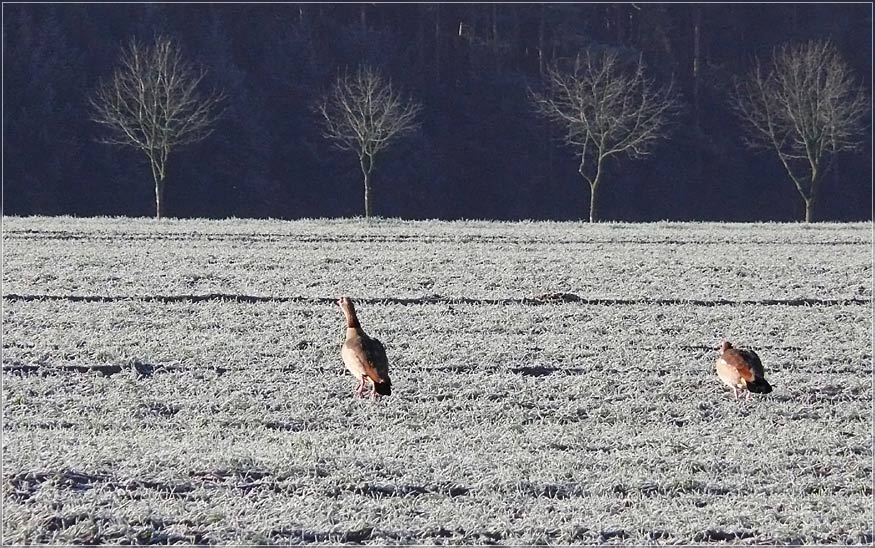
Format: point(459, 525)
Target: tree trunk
point(697, 54)
point(159, 199)
point(367, 196)
point(495, 38)
point(812, 193)
point(495, 27)
point(158, 176)
point(420, 37)
point(437, 44)
point(495, 49)
point(593, 188)
point(809, 210)
point(541, 40)
point(367, 165)
point(593, 202)
point(618, 13)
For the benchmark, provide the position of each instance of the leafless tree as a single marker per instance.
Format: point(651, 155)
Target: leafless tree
point(364, 114)
point(805, 106)
point(605, 107)
point(152, 103)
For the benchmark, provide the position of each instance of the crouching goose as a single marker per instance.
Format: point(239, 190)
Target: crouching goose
point(364, 357)
point(741, 370)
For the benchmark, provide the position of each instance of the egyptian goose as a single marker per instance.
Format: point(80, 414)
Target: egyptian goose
point(741, 370)
point(364, 357)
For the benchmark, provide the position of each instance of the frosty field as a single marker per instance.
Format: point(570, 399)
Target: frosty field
point(553, 383)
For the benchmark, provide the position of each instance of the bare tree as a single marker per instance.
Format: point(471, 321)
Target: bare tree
point(152, 103)
point(606, 107)
point(364, 114)
point(805, 107)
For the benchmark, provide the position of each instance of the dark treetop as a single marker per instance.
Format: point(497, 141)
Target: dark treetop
point(481, 150)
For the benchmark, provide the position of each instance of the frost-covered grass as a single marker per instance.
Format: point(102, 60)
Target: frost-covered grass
point(181, 381)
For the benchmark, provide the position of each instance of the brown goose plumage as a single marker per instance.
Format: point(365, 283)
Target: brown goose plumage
point(364, 357)
point(741, 370)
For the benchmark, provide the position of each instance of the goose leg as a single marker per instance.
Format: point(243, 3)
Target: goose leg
point(735, 393)
point(360, 390)
point(747, 395)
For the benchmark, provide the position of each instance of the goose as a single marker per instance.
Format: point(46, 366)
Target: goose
point(364, 356)
point(741, 370)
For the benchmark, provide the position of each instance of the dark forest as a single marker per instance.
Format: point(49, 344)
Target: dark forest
point(481, 151)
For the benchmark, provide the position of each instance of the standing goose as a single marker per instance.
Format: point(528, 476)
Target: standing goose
point(364, 357)
point(741, 370)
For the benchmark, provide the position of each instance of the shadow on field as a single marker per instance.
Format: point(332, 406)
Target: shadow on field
point(465, 238)
point(23, 486)
point(548, 298)
point(543, 371)
point(142, 370)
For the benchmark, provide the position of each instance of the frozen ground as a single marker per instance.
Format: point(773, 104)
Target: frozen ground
point(181, 382)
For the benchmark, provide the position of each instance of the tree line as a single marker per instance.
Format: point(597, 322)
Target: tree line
point(496, 102)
